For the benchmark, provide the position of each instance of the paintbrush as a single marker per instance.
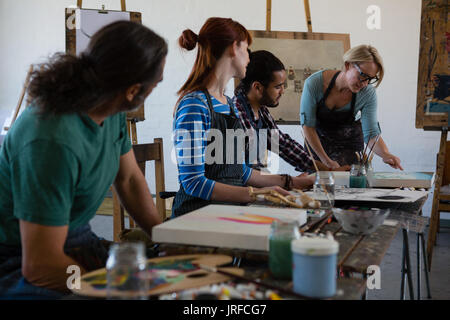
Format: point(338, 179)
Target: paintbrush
point(372, 148)
point(364, 154)
point(358, 157)
point(315, 166)
point(325, 221)
point(262, 284)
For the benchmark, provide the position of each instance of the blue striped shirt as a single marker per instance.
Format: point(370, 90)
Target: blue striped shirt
point(191, 127)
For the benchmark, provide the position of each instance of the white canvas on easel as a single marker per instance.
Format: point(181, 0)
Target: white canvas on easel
point(225, 226)
point(89, 21)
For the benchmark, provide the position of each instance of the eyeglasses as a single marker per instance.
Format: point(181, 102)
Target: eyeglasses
point(365, 77)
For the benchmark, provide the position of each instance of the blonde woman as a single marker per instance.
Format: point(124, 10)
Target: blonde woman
point(338, 109)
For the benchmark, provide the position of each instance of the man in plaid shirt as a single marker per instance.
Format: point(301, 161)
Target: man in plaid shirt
point(261, 89)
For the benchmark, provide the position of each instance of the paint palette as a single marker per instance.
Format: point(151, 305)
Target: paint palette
point(165, 274)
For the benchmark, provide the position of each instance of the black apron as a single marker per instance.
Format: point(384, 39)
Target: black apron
point(339, 133)
point(224, 173)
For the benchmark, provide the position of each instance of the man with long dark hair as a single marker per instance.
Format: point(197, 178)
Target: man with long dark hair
point(63, 153)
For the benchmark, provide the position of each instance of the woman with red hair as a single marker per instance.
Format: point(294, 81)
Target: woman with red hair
point(211, 166)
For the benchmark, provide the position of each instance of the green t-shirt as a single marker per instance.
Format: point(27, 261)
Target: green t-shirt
point(56, 170)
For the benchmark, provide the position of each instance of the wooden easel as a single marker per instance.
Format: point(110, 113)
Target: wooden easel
point(434, 218)
point(132, 117)
point(22, 95)
point(269, 15)
point(433, 61)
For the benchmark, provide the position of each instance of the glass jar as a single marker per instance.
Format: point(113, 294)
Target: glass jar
point(280, 255)
point(126, 269)
point(358, 176)
point(369, 173)
point(324, 189)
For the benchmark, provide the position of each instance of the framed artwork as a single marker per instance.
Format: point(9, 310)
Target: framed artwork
point(302, 54)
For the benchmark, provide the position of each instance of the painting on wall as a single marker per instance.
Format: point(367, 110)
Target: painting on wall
point(302, 53)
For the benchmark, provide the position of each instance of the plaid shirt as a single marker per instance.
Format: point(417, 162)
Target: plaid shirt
point(289, 149)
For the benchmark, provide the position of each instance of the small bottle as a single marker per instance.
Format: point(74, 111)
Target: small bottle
point(126, 269)
point(280, 256)
point(358, 176)
point(324, 189)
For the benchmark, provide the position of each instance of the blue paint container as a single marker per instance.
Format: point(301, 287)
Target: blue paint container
point(314, 266)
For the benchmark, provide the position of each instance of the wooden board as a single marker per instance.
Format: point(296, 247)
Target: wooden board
point(376, 195)
point(434, 66)
point(167, 274)
point(225, 226)
point(75, 34)
point(401, 179)
point(357, 252)
point(302, 53)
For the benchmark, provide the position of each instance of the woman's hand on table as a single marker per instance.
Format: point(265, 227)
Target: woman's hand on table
point(332, 164)
point(343, 168)
point(323, 167)
point(393, 161)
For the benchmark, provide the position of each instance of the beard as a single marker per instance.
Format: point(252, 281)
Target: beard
point(132, 106)
point(268, 101)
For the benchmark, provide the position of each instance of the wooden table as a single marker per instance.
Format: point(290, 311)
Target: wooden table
point(356, 253)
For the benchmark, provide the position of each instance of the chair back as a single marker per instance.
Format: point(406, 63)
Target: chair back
point(143, 153)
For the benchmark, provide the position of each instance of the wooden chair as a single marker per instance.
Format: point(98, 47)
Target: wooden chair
point(143, 153)
point(441, 201)
point(444, 198)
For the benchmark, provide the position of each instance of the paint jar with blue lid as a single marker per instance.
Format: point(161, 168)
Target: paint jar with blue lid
point(314, 266)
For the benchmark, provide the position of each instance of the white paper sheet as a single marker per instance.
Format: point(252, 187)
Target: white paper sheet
point(89, 21)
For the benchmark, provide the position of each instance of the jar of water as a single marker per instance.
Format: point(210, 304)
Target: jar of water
point(358, 176)
point(126, 274)
point(324, 189)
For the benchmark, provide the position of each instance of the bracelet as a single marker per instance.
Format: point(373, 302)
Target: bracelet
point(251, 194)
point(287, 181)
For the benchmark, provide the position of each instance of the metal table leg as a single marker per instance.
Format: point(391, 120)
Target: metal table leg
point(425, 263)
point(402, 285)
point(364, 297)
point(418, 267)
point(408, 264)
